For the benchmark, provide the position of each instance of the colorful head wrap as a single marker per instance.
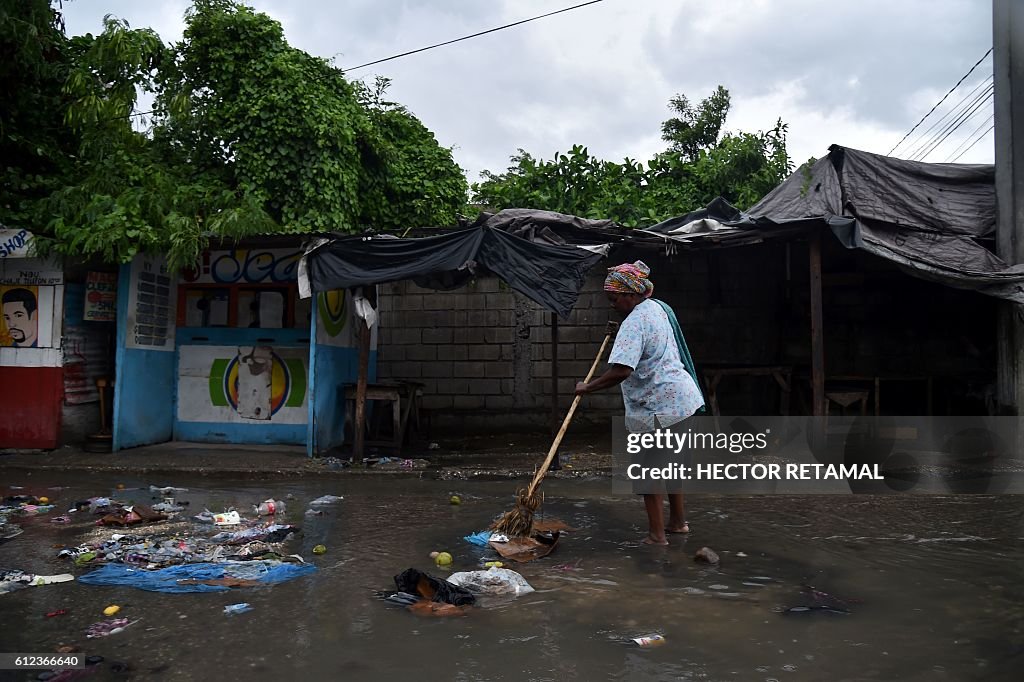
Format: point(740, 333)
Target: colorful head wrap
point(630, 278)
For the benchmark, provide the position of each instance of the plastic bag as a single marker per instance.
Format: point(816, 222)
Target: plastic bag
point(493, 581)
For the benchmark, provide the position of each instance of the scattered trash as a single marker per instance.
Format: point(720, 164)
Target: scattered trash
point(455, 500)
point(167, 506)
point(497, 537)
point(319, 549)
point(58, 612)
point(13, 579)
point(61, 519)
point(166, 490)
point(314, 512)
point(494, 581)
point(229, 518)
point(706, 554)
point(443, 559)
point(232, 609)
point(480, 539)
point(649, 641)
point(269, 507)
point(493, 564)
point(111, 610)
point(108, 627)
point(426, 595)
point(335, 463)
point(434, 446)
point(130, 516)
point(272, 533)
point(327, 499)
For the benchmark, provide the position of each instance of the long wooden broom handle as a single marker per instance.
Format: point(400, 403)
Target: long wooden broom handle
point(568, 418)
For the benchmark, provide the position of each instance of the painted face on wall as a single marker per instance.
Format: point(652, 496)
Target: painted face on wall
point(20, 317)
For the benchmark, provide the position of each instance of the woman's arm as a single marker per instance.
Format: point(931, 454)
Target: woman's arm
point(614, 376)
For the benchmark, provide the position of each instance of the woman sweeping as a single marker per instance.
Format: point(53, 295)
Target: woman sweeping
point(658, 389)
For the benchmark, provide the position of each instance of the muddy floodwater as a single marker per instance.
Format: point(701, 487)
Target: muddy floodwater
point(808, 588)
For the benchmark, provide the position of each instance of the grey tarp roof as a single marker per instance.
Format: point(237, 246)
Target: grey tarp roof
point(933, 219)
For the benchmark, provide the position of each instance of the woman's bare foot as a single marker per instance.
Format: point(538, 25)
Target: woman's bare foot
point(651, 540)
point(684, 528)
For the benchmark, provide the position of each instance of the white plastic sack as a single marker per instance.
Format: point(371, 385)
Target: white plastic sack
point(327, 499)
point(494, 581)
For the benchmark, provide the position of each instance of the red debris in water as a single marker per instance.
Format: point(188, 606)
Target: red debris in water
point(59, 612)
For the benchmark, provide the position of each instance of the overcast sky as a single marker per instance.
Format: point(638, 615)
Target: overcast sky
point(859, 73)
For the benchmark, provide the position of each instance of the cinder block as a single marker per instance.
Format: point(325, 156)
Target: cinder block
point(468, 402)
point(476, 318)
point(573, 334)
point(422, 353)
point(437, 336)
point(499, 302)
point(437, 368)
point(484, 352)
point(410, 302)
point(508, 352)
point(486, 284)
point(508, 386)
point(452, 386)
point(476, 301)
point(470, 370)
point(407, 370)
point(405, 336)
point(499, 402)
point(453, 351)
point(502, 335)
point(437, 402)
point(499, 370)
point(470, 334)
point(391, 353)
point(484, 386)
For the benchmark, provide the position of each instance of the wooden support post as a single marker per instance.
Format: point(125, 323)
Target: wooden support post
point(359, 440)
point(817, 330)
point(554, 374)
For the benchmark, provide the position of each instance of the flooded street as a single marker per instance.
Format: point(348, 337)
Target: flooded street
point(908, 588)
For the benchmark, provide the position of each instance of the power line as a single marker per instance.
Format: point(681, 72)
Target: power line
point(953, 126)
point(915, 146)
point(490, 30)
point(942, 100)
point(950, 158)
point(977, 141)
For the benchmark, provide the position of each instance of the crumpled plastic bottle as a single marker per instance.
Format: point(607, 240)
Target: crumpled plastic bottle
point(237, 608)
point(269, 507)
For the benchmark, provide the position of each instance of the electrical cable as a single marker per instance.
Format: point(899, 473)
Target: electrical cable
point(474, 35)
point(941, 100)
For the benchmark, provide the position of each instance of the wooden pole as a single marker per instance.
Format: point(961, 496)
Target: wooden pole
point(554, 373)
point(359, 441)
point(817, 330)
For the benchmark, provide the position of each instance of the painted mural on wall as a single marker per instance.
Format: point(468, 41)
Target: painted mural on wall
point(245, 266)
point(245, 384)
point(151, 305)
point(27, 316)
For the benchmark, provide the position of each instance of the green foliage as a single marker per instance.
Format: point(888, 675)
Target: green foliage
point(34, 143)
point(741, 168)
point(695, 128)
point(409, 180)
point(248, 136)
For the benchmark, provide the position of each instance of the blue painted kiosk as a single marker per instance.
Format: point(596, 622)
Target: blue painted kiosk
point(230, 353)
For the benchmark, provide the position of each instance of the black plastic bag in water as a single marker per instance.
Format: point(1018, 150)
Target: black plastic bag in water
point(427, 586)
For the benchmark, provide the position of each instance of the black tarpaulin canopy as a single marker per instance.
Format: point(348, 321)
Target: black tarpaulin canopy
point(548, 274)
point(935, 220)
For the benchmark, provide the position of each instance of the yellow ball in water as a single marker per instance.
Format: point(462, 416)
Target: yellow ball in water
point(443, 559)
point(44, 500)
point(455, 500)
point(319, 549)
point(111, 610)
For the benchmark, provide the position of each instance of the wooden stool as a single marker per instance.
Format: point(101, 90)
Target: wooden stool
point(396, 394)
point(844, 398)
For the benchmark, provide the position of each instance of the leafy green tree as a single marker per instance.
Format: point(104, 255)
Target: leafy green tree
point(695, 128)
point(34, 142)
point(698, 167)
point(248, 136)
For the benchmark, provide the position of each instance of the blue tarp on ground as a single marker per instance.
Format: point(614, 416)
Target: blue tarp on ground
point(166, 579)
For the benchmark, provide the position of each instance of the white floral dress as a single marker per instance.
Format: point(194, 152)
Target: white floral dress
point(659, 386)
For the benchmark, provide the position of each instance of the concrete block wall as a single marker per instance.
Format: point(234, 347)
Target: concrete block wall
point(484, 353)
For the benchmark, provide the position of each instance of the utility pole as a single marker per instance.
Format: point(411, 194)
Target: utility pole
point(1008, 78)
